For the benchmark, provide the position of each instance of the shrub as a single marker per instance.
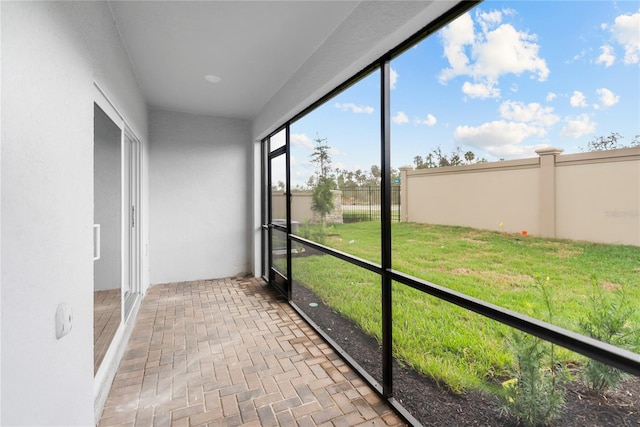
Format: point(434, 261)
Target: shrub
point(305, 229)
point(608, 320)
point(534, 396)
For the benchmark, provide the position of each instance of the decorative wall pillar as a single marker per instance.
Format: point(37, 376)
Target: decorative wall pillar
point(333, 217)
point(404, 190)
point(548, 190)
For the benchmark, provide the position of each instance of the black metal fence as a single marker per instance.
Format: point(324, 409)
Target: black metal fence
point(363, 204)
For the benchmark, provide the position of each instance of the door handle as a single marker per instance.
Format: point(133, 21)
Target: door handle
point(96, 242)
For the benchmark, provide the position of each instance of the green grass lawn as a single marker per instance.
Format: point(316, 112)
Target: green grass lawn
point(454, 346)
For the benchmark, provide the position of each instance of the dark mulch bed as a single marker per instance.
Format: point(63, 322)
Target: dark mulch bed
point(433, 405)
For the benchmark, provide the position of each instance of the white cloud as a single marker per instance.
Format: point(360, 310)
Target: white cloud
point(489, 20)
point(301, 140)
point(455, 37)
point(503, 138)
point(429, 121)
point(532, 113)
point(500, 138)
point(480, 90)
point(357, 109)
point(550, 97)
point(578, 56)
point(575, 127)
point(626, 31)
point(497, 49)
point(393, 77)
point(607, 57)
point(496, 133)
point(507, 50)
point(578, 99)
point(607, 98)
point(400, 118)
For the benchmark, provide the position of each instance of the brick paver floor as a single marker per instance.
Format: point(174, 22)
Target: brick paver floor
point(228, 352)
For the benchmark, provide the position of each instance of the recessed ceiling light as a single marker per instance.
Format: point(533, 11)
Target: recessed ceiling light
point(212, 79)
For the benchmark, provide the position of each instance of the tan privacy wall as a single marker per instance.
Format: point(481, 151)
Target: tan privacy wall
point(590, 196)
point(600, 197)
point(301, 207)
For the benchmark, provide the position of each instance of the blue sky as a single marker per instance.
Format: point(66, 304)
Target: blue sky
point(503, 80)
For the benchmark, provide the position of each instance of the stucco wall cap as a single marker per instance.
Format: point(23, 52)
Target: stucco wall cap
point(547, 151)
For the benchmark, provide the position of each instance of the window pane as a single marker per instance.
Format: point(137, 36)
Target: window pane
point(278, 191)
point(265, 253)
point(335, 172)
point(455, 367)
point(279, 251)
point(344, 301)
point(278, 140)
point(484, 210)
point(279, 214)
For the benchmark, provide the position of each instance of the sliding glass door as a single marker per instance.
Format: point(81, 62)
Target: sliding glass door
point(116, 229)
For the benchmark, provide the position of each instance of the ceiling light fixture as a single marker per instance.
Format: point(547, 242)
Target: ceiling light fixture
point(212, 79)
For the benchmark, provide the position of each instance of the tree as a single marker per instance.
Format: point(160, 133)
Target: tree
point(417, 160)
point(321, 157)
point(610, 142)
point(350, 179)
point(395, 175)
point(436, 158)
point(469, 156)
point(441, 158)
point(429, 161)
point(360, 177)
point(322, 197)
point(311, 182)
point(376, 175)
point(456, 159)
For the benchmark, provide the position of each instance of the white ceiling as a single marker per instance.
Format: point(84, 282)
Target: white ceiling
point(253, 46)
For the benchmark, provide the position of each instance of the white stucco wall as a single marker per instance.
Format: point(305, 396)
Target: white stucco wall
point(51, 54)
point(200, 185)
